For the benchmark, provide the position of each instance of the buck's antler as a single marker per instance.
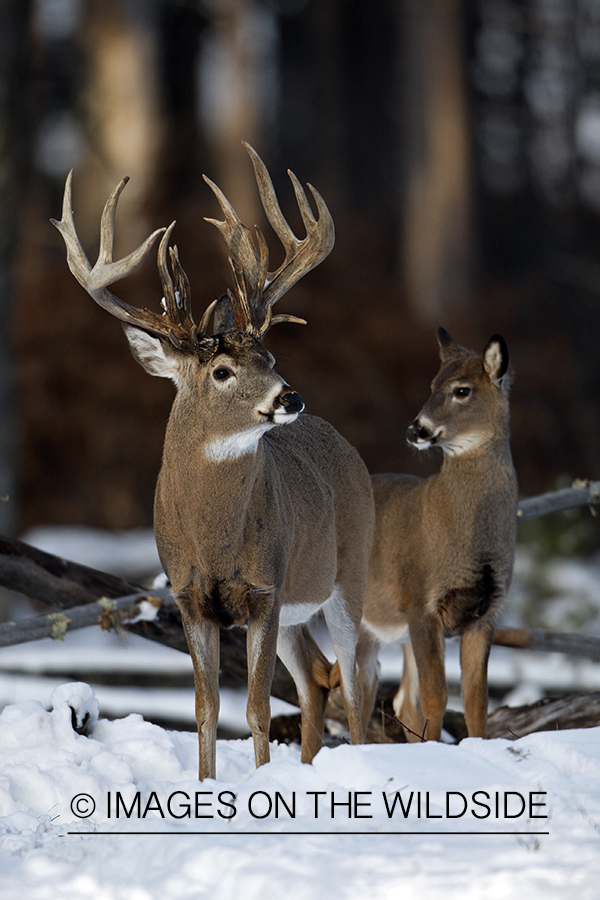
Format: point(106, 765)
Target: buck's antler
point(176, 323)
point(257, 289)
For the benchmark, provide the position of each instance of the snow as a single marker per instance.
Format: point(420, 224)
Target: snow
point(144, 839)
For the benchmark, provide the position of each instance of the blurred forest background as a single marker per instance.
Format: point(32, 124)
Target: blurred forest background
point(456, 142)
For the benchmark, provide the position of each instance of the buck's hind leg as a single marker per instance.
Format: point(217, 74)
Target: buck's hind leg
point(407, 702)
point(367, 652)
point(343, 631)
point(308, 666)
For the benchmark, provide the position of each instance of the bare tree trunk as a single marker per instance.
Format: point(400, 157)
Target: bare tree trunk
point(436, 240)
point(232, 96)
point(14, 20)
point(121, 98)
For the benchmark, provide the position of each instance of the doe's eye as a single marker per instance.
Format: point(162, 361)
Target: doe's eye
point(461, 392)
point(222, 374)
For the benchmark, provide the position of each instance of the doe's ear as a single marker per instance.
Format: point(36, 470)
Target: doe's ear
point(149, 351)
point(450, 348)
point(495, 358)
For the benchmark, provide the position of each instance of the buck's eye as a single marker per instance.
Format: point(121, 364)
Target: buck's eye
point(461, 392)
point(222, 374)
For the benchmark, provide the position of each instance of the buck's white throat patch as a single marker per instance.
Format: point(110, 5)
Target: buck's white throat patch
point(236, 445)
point(233, 446)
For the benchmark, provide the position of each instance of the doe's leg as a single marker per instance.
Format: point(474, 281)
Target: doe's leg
point(407, 702)
point(427, 640)
point(474, 654)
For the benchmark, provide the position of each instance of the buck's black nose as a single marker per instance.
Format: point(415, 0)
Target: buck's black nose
point(417, 433)
point(291, 401)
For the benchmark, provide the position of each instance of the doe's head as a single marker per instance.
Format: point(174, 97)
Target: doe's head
point(468, 406)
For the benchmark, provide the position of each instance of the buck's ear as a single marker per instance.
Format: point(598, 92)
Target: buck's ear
point(450, 348)
point(495, 358)
point(150, 352)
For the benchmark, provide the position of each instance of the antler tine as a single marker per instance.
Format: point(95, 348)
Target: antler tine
point(106, 270)
point(96, 279)
point(300, 255)
point(236, 235)
point(257, 289)
point(177, 323)
point(169, 300)
point(77, 261)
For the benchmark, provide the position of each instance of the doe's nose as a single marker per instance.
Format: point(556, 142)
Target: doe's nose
point(417, 432)
point(291, 401)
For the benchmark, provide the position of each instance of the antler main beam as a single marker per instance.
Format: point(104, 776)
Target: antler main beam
point(257, 289)
point(176, 323)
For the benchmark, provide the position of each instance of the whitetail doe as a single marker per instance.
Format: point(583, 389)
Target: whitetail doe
point(444, 546)
point(256, 525)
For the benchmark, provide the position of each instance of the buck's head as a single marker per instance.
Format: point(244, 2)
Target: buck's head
point(468, 406)
point(228, 376)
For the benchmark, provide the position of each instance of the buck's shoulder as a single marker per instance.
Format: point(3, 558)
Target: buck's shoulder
point(312, 444)
point(310, 433)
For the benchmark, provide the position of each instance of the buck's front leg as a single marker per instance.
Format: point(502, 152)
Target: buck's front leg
point(261, 645)
point(427, 640)
point(474, 654)
point(203, 641)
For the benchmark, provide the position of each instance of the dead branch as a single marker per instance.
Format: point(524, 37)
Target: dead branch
point(62, 585)
point(573, 711)
point(107, 613)
point(586, 493)
point(582, 645)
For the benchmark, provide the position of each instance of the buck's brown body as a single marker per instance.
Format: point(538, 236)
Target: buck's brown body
point(444, 546)
point(262, 515)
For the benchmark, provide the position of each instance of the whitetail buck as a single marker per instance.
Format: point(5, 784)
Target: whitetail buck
point(444, 546)
point(262, 515)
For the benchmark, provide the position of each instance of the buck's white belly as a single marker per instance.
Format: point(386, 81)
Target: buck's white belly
point(297, 613)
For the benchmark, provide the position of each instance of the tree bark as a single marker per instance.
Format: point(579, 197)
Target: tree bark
point(14, 19)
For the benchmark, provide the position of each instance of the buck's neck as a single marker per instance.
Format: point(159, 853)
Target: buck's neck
point(209, 496)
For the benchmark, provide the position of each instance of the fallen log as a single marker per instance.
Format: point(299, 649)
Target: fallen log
point(572, 711)
point(580, 645)
point(62, 585)
point(106, 613)
point(582, 493)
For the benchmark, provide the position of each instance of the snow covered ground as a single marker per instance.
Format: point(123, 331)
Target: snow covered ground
point(118, 814)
